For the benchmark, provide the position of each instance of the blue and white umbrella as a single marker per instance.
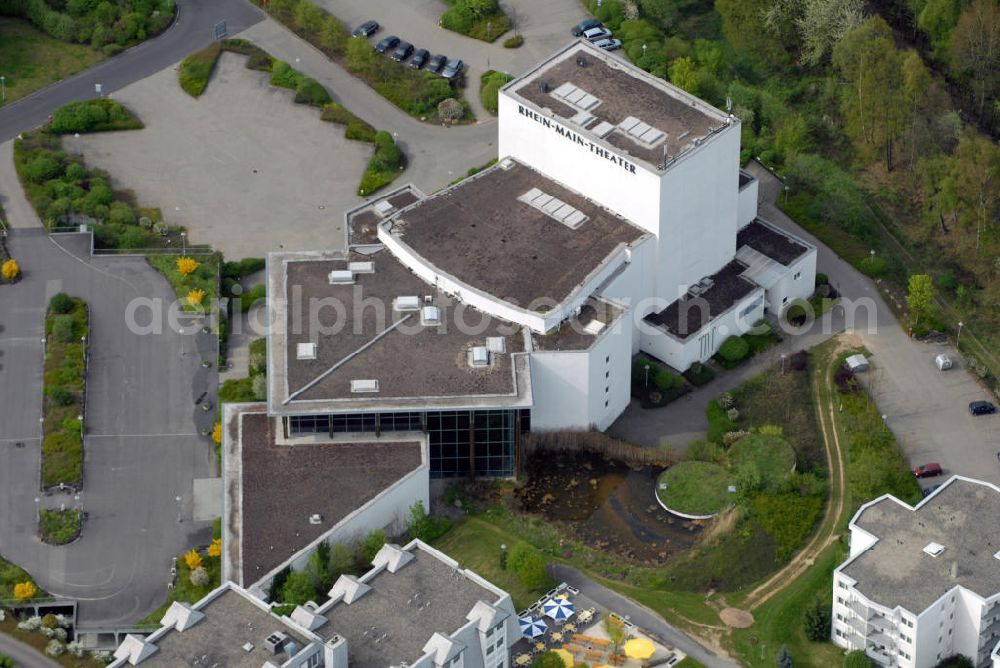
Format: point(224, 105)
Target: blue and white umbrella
point(558, 608)
point(532, 627)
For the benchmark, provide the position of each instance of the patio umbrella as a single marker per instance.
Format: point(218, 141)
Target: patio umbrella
point(566, 657)
point(558, 608)
point(639, 648)
point(532, 627)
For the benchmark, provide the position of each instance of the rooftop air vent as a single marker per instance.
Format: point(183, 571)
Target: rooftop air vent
point(479, 356)
point(361, 267)
point(603, 129)
point(506, 164)
point(934, 549)
point(248, 647)
point(594, 327)
point(430, 315)
point(274, 642)
point(364, 385)
point(383, 207)
point(496, 344)
point(996, 555)
point(341, 277)
point(305, 351)
point(641, 133)
point(554, 208)
point(575, 96)
point(315, 518)
point(581, 61)
point(406, 303)
point(544, 86)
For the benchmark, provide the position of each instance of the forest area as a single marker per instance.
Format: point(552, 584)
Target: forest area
point(881, 117)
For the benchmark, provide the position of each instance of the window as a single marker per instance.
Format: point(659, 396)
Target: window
point(842, 584)
point(607, 389)
point(607, 374)
point(605, 403)
point(489, 650)
point(797, 275)
point(839, 633)
point(784, 300)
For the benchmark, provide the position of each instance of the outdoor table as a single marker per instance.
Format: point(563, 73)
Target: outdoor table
point(556, 636)
point(569, 626)
point(523, 659)
point(540, 646)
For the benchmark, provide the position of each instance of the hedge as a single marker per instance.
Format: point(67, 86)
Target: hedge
point(486, 23)
point(384, 166)
point(196, 69)
point(489, 89)
point(733, 351)
point(64, 387)
point(109, 26)
point(98, 115)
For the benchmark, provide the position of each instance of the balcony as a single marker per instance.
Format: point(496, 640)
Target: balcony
point(881, 657)
point(860, 609)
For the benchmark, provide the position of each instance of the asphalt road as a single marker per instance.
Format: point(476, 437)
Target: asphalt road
point(191, 31)
point(639, 615)
point(24, 655)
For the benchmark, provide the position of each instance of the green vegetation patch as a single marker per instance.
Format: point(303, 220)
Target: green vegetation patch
point(490, 84)
point(696, 488)
point(59, 527)
point(31, 59)
point(204, 280)
point(10, 575)
point(479, 19)
point(66, 328)
point(196, 69)
point(99, 115)
point(385, 164)
point(771, 457)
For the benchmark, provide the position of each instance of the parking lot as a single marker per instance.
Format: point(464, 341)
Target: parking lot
point(243, 167)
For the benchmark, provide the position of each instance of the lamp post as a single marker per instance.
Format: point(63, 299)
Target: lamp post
point(646, 368)
point(178, 500)
point(786, 195)
point(489, 30)
point(783, 356)
point(184, 242)
point(643, 50)
point(959, 337)
point(871, 253)
point(3, 88)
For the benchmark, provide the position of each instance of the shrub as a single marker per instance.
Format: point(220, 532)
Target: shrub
point(257, 293)
point(42, 168)
point(311, 92)
point(665, 380)
point(192, 559)
point(259, 385)
point(245, 267)
point(513, 42)
point(426, 527)
point(822, 279)
point(489, 89)
point(384, 165)
point(450, 109)
point(816, 621)
point(195, 296)
point(199, 577)
point(10, 270)
point(62, 328)
point(719, 423)
point(92, 116)
point(548, 659)
point(371, 544)
point(284, 75)
point(196, 69)
point(528, 565)
point(858, 659)
point(215, 548)
point(298, 589)
point(733, 351)
point(25, 590)
point(60, 396)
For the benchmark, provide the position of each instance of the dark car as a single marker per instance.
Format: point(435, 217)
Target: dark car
point(580, 28)
point(982, 408)
point(437, 62)
point(928, 470)
point(453, 69)
point(419, 59)
point(366, 29)
point(402, 52)
point(387, 43)
point(930, 490)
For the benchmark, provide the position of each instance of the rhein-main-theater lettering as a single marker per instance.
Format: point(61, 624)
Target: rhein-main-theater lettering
point(577, 139)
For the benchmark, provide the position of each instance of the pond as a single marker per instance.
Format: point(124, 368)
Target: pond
point(605, 504)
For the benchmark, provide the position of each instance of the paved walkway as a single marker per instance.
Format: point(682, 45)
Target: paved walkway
point(24, 655)
point(640, 615)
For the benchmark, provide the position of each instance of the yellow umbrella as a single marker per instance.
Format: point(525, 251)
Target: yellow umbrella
point(565, 656)
point(639, 648)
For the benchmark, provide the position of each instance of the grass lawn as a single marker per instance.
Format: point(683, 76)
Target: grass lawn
point(779, 620)
point(688, 662)
point(31, 59)
point(696, 488)
point(475, 544)
point(65, 385)
point(773, 456)
point(204, 278)
point(59, 527)
point(10, 575)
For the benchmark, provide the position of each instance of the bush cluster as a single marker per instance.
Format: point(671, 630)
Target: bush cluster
point(62, 442)
point(513, 42)
point(489, 89)
point(354, 127)
point(480, 19)
point(196, 69)
point(92, 116)
point(528, 565)
point(110, 25)
point(325, 565)
point(384, 166)
point(733, 350)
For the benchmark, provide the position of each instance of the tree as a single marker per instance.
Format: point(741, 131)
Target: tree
point(784, 658)
point(25, 590)
point(955, 661)
point(616, 633)
point(192, 559)
point(317, 568)
point(528, 565)
point(199, 577)
point(298, 589)
point(823, 23)
point(217, 433)
point(341, 561)
point(215, 549)
point(187, 265)
point(450, 109)
point(684, 74)
point(10, 270)
point(937, 20)
point(858, 659)
point(976, 180)
point(975, 48)
point(370, 546)
point(308, 16)
point(548, 659)
point(817, 621)
point(195, 296)
point(920, 295)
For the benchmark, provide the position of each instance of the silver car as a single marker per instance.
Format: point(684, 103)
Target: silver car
point(597, 34)
point(609, 44)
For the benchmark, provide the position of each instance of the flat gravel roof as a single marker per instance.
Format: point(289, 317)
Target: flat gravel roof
point(777, 246)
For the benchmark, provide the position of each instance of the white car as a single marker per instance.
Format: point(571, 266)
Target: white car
point(609, 44)
point(596, 34)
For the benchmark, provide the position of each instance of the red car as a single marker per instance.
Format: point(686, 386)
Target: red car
point(928, 470)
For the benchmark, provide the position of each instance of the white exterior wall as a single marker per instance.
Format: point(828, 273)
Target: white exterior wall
point(634, 286)
point(682, 354)
point(569, 386)
point(747, 206)
point(790, 288)
point(698, 211)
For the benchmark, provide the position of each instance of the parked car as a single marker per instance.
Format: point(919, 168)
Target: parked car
point(387, 43)
point(928, 470)
point(609, 44)
point(437, 62)
point(453, 69)
point(402, 52)
point(982, 408)
point(597, 34)
point(419, 59)
point(366, 29)
point(933, 488)
point(580, 28)
point(943, 362)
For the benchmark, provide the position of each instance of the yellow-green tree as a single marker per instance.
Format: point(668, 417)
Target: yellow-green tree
point(25, 590)
point(920, 295)
point(192, 559)
point(187, 265)
point(10, 270)
point(215, 549)
point(217, 433)
point(195, 296)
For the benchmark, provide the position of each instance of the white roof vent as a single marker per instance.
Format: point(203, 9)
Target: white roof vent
point(364, 385)
point(430, 315)
point(248, 647)
point(315, 518)
point(496, 344)
point(603, 129)
point(275, 642)
point(575, 96)
point(554, 208)
point(305, 351)
point(506, 164)
point(641, 133)
point(594, 327)
point(383, 207)
point(996, 555)
point(361, 267)
point(341, 277)
point(407, 303)
point(934, 549)
point(479, 356)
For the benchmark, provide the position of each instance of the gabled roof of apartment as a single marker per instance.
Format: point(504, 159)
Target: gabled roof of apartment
point(410, 609)
point(513, 233)
point(274, 488)
point(368, 354)
point(609, 100)
point(899, 569)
